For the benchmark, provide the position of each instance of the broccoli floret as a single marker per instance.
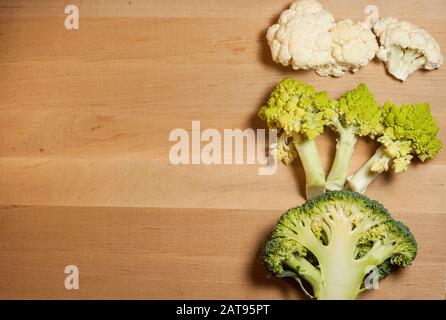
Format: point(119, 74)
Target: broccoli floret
point(408, 130)
point(334, 241)
point(299, 113)
point(357, 114)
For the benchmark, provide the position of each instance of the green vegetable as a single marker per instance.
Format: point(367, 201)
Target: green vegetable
point(334, 241)
point(357, 114)
point(408, 130)
point(299, 113)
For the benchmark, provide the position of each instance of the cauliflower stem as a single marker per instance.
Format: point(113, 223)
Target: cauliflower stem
point(406, 47)
point(312, 165)
point(404, 62)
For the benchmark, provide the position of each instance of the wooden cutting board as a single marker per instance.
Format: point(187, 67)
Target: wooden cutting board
point(85, 117)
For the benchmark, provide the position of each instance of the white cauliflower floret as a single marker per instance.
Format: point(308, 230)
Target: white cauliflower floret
point(405, 47)
point(306, 37)
point(354, 45)
point(301, 38)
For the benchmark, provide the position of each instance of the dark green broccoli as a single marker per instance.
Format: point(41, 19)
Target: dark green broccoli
point(334, 241)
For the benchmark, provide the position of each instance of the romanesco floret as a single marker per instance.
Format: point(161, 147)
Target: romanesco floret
point(294, 110)
point(409, 130)
point(357, 114)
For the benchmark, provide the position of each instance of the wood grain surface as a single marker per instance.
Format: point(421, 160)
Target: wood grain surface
point(85, 177)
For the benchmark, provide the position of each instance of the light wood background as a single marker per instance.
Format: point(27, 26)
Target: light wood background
point(84, 173)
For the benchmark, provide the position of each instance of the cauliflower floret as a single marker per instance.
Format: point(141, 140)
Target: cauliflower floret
point(306, 37)
point(301, 38)
point(354, 45)
point(405, 47)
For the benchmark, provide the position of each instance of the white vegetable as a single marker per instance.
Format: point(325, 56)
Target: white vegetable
point(301, 38)
point(306, 37)
point(354, 45)
point(405, 47)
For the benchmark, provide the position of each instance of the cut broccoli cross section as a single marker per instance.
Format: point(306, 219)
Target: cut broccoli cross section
point(334, 241)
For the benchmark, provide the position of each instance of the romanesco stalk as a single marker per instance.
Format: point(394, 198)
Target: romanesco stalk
point(410, 130)
point(299, 113)
point(341, 164)
point(311, 162)
point(378, 163)
point(357, 114)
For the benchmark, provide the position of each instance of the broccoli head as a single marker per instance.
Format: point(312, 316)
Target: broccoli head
point(409, 130)
point(299, 113)
point(334, 241)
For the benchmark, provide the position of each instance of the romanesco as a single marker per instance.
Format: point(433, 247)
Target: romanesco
point(294, 109)
point(408, 130)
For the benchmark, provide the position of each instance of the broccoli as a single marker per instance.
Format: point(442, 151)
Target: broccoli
point(334, 241)
point(408, 130)
point(357, 114)
point(299, 113)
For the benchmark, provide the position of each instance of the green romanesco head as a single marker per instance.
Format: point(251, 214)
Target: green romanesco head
point(293, 108)
point(409, 129)
point(358, 108)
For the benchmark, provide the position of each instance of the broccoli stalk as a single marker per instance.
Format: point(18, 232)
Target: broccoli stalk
point(306, 271)
point(334, 241)
point(339, 275)
point(300, 114)
point(356, 114)
point(409, 130)
point(402, 63)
